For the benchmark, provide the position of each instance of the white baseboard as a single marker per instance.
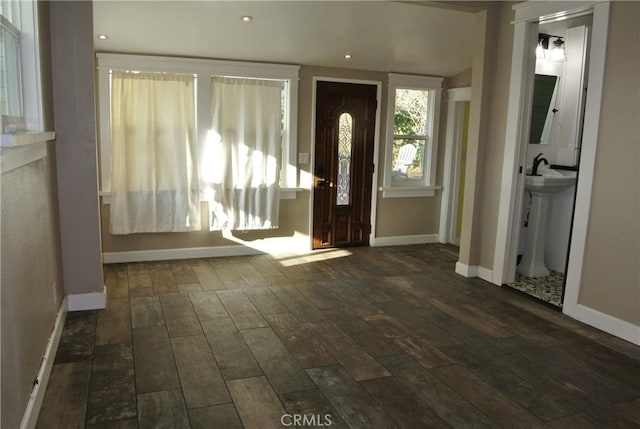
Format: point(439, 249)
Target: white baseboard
point(87, 301)
point(30, 417)
point(466, 270)
point(171, 254)
point(485, 274)
point(609, 324)
point(474, 271)
point(401, 240)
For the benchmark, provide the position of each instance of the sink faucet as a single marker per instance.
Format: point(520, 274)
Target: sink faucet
point(536, 163)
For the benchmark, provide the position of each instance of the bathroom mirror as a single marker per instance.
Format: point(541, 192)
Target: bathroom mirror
point(542, 112)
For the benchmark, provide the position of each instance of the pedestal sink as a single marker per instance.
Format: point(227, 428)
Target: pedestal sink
point(541, 188)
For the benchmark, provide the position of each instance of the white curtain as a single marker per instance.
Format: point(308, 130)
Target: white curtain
point(154, 174)
point(241, 160)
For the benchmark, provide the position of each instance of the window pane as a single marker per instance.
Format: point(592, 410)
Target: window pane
point(408, 159)
point(411, 112)
point(345, 140)
point(10, 10)
point(10, 81)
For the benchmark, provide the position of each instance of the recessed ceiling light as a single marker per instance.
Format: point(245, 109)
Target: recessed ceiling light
point(247, 18)
point(103, 36)
point(347, 56)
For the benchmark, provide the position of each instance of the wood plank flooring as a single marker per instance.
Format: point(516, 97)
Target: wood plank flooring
point(358, 338)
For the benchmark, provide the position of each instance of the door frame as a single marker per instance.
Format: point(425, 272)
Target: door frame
point(525, 37)
point(376, 150)
point(456, 99)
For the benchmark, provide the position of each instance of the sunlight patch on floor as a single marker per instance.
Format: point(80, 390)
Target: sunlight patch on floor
point(317, 256)
point(296, 245)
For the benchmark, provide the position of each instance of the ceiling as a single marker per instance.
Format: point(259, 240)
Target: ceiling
point(384, 36)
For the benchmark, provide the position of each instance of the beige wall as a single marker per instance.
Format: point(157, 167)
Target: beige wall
point(31, 282)
point(610, 268)
point(73, 99)
point(31, 292)
point(489, 202)
point(482, 78)
point(462, 79)
point(611, 276)
point(294, 215)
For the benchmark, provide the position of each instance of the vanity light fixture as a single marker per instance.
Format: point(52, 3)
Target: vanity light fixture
point(102, 36)
point(555, 52)
point(246, 18)
point(347, 56)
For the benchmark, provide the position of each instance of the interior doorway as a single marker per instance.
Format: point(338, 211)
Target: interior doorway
point(552, 158)
point(459, 102)
point(345, 124)
point(528, 15)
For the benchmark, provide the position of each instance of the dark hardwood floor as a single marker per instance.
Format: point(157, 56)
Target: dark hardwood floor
point(359, 338)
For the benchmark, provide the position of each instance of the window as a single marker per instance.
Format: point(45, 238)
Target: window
point(245, 148)
point(10, 79)
point(20, 87)
point(257, 127)
point(412, 133)
point(154, 185)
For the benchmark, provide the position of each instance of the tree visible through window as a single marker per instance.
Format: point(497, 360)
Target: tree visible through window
point(410, 128)
point(412, 136)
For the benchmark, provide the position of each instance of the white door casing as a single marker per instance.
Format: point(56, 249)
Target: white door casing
point(527, 17)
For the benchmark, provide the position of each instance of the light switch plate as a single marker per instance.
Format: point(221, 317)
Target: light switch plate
point(303, 158)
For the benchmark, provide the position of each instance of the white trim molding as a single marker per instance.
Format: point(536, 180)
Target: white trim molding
point(466, 270)
point(474, 271)
point(457, 97)
point(433, 85)
point(516, 140)
point(12, 158)
point(612, 325)
point(408, 191)
point(401, 240)
point(551, 10)
point(285, 194)
point(30, 416)
point(26, 138)
point(578, 245)
point(171, 254)
point(87, 301)
point(485, 274)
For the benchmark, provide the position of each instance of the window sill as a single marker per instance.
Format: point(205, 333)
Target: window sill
point(409, 191)
point(17, 150)
point(289, 193)
point(26, 138)
point(285, 194)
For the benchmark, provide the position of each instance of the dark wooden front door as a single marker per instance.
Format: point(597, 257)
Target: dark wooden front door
point(345, 127)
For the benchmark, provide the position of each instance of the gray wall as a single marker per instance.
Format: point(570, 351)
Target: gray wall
point(73, 98)
point(31, 282)
point(31, 291)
